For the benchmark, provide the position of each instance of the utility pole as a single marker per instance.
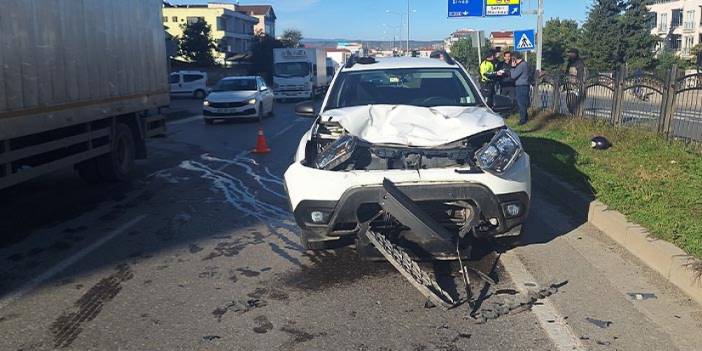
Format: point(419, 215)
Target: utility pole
point(408, 27)
point(540, 34)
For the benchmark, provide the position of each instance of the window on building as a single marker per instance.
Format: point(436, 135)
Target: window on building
point(652, 21)
point(690, 20)
point(675, 42)
point(174, 19)
point(677, 18)
point(221, 24)
point(165, 19)
point(664, 23)
point(192, 20)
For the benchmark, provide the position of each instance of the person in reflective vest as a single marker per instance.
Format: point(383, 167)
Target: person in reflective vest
point(487, 77)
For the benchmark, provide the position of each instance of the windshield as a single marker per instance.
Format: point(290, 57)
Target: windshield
point(236, 85)
point(292, 69)
point(426, 87)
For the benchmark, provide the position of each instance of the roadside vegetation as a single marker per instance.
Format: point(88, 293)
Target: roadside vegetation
point(653, 181)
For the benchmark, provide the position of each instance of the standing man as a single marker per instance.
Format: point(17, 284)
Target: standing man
point(520, 75)
point(507, 83)
point(575, 72)
point(487, 76)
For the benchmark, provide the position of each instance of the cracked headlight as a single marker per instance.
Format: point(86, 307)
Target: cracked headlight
point(500, 153)
point(336, 153)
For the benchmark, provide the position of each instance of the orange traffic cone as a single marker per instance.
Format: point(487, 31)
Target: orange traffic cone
point(261, 145)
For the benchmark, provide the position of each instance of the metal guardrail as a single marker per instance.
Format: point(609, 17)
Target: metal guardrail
point(670, 105)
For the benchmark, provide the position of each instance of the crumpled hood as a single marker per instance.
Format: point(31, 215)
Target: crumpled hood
point(231, 96)
point(412, 125)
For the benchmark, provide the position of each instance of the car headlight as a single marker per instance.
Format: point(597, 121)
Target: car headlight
point(500, 153)
point(205, 103)
point(252, 102)
point(336, 153)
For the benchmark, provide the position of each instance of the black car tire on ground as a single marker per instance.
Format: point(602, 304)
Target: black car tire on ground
point(119, 163)
point(260, 112)
point(199, 94)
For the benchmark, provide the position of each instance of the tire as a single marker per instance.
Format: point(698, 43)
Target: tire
point(272, 111)
point(88, 170)
point(199, 94)
point(118, 165)
point(260, 113)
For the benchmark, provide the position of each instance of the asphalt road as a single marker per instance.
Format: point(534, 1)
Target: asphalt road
point(199, 252)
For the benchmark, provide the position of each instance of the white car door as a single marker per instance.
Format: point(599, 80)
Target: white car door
point(176, 82)
point(265, 94)
point(193, 82)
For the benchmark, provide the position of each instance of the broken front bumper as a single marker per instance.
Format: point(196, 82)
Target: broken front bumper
point(358, 205)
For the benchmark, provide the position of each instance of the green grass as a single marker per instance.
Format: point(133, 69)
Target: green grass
point(654, 182)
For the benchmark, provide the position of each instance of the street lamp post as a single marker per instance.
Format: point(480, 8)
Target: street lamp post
point(408, 27)
point(402, 16)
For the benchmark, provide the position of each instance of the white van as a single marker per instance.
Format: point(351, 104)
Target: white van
point(189, 83)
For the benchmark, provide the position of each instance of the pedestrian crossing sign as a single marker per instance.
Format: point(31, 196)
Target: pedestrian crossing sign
point(524, 40)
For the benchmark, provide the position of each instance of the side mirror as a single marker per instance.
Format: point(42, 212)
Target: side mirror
point(502, 104)
point(306, 109)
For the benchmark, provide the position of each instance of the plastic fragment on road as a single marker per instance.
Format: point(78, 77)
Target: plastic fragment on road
point(642, 296)
point(599, 323)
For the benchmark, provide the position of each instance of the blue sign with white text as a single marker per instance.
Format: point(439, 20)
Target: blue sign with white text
point(524, 40)
point(466, 8)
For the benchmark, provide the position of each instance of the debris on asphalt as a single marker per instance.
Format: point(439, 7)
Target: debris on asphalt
point(642, 296)
point(599, 323)
point(263, 325)
point(239, 307)
point(508, 302)
point(211, 337)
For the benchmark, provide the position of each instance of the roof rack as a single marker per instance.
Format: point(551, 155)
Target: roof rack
point(365, 60)
point(442, 55)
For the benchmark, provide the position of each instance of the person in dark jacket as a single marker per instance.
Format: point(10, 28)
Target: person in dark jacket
point(507, 87)
point(520, 74)
point(575, 77)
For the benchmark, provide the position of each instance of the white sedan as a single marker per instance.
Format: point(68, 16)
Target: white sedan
point(238, 97)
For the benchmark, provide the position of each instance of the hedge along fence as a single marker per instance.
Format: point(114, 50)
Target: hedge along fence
point(670, 105)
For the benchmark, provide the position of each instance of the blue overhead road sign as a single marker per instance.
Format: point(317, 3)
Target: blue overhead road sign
point(524, 40)
point(466, 8)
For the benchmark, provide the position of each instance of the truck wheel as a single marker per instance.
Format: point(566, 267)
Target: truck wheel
point(88, 170)
point(119, 163)
point(199, 94)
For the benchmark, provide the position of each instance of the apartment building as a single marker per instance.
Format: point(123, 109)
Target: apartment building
point(266, 18)
point(678, 23)
point(475, 36)
point(502, 40)
point(233, 30)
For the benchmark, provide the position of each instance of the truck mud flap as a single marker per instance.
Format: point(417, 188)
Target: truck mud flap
point(155, 126)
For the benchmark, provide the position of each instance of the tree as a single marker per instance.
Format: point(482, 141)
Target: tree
point(291, 38)
point(559, 36)
point(694, 51)
point(463, 52)
point(262, 55)
point(666, 60)
point(639, 43)
point(196, 44)
point(601, 39)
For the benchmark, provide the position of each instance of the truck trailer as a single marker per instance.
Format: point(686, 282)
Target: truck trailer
point(82, 84)
point(299, 73)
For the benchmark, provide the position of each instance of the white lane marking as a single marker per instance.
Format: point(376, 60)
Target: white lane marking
point(286, 129)
point(550, 319)
point(66, 263)
point(184, 120)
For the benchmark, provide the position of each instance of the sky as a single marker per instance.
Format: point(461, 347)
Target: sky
point(368, 20)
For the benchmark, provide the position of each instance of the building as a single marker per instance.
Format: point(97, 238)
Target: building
point(475, 36)
point(339, 56)
point(231, 29)
point(678, 23)
point(502, 40)
point(354, 48)
point(266, 18)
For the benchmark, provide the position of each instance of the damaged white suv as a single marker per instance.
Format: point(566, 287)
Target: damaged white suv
point(407, 146)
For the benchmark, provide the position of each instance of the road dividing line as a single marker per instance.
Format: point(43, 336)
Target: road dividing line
point(66, 263)
point(286, 129)
point(551, 321)
point(185, 120)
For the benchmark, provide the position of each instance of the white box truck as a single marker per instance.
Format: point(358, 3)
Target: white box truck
point(82, 84)
point(299, 73)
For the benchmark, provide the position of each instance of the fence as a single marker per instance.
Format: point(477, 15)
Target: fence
point(670, 105)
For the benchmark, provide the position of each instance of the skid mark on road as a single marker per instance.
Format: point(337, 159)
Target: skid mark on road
point(66, 328)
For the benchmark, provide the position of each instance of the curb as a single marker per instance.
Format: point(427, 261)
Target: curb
point(661, 256)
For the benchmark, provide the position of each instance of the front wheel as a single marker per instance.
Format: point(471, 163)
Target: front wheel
point(260, 113)
point(199, 94)
point(119, 163)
